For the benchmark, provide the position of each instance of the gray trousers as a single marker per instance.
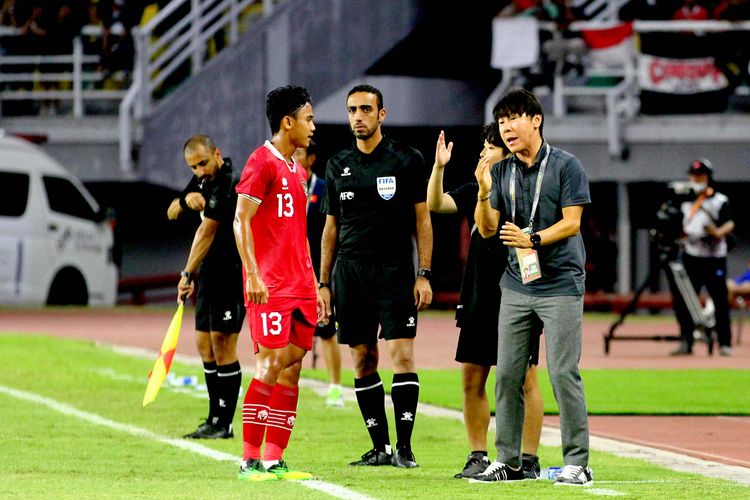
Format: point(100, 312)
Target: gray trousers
point(563, 329)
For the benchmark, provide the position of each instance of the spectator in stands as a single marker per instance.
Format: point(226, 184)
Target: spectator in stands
point(732, 10)
point(118, 18)
point(691, 10)
point(477, 315)
point(706, 222)
point(220, 310)
point(325, 332)
point(7, 16)
point(561, 49)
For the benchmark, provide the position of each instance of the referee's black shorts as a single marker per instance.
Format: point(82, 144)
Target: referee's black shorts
point(372, 294)
point(220, 305)
point(477, 341)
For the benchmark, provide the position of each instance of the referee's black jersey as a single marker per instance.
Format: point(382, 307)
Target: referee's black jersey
point(221, 203)
point(373, 196)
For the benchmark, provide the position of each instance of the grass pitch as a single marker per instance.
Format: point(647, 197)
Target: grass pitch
point(73, 427)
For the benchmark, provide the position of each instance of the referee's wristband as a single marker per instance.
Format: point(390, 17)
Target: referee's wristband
point(483, 199)
point(324, 284)
point(183, 203)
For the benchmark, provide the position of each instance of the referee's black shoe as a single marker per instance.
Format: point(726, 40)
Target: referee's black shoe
point(211, 431)
point(404, 458)
point(374, 457)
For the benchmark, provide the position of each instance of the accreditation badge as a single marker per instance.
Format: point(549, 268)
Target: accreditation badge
point(528, 263)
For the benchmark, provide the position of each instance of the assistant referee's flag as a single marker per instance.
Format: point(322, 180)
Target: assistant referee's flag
point(164, 361)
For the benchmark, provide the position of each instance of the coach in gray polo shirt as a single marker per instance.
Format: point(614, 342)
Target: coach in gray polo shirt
point(533, 201)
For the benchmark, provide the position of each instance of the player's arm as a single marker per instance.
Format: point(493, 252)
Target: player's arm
point(256, 290)
point(486, 217)
point(568, 226)
point(202, 241)
point(327, 252)
point(422, 288)
point(437, 200)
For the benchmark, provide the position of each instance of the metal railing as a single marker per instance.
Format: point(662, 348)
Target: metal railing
point(25, 77)
point(178, 52)
point(621, 103)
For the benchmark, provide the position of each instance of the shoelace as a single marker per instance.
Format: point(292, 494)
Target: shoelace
point(571, 471)
point(492, 468)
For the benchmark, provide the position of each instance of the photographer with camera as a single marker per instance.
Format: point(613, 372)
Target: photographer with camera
point(706, 223)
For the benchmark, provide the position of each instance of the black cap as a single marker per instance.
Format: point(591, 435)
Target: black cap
point(701, 166)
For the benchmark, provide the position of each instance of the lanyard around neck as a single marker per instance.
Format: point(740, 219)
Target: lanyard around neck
point(537, 192)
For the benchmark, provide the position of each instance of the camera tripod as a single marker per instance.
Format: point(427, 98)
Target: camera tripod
point(681, 289)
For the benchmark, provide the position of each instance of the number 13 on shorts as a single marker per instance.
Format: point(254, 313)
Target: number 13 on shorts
point(271, 323)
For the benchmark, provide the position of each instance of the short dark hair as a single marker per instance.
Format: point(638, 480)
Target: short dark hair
point(201, 139)
point(370, 90)
point(284, 101)
point(312, 148)
point(518, 102)
point(491, 134)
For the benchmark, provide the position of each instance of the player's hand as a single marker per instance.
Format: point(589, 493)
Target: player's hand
point(324, 305)
point(422, 293)
point(484, 179)
point(195, 201)
point(442, 152)
point(513, 236)
point(323, 318)
point(174, 210)
point(257, 292)
point(184, 289)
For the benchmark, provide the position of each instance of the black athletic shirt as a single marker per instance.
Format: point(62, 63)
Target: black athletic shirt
point(373, 196)
point(221, 202)
point(479, 300)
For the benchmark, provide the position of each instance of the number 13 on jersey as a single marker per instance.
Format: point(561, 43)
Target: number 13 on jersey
point(286, 204)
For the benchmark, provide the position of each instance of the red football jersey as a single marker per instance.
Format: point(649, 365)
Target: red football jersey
point(280, 225)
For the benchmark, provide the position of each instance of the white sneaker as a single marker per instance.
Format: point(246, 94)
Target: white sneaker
point(335, 397)
point(575, 475)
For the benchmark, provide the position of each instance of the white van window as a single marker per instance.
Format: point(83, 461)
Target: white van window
point(66, 199)
point(16, 197)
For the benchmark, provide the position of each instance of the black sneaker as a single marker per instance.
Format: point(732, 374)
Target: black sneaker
point(498, 471)
point(211, 431)
point(530, 466)
point(404, 458)
point(374, 457)
point(575, 475)
point(476, 463)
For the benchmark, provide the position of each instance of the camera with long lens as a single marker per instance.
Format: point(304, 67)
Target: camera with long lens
point(667, 229)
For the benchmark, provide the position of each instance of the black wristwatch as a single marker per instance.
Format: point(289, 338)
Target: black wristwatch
point(425, 273)
point(324, 284)
point(187, 275)
point(536, 240)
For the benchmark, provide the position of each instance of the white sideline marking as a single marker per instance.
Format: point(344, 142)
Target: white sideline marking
point(334, 490)
point(603, 492)
point(550, 435)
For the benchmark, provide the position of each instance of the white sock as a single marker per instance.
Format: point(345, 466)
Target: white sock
point(267, 464)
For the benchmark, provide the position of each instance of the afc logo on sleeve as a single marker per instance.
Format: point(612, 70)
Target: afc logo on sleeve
point(387, 187)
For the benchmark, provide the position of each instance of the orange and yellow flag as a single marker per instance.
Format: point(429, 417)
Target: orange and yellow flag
point(164, 361)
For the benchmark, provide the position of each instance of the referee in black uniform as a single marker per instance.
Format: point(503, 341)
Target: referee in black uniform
point(375, 203)
point(220, 308)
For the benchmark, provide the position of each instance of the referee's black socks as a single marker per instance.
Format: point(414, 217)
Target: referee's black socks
point(230, 380)
point(371, 400)
point(212, 387)
point(405, 397)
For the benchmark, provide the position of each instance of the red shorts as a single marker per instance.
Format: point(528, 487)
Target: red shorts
point(283, 321)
